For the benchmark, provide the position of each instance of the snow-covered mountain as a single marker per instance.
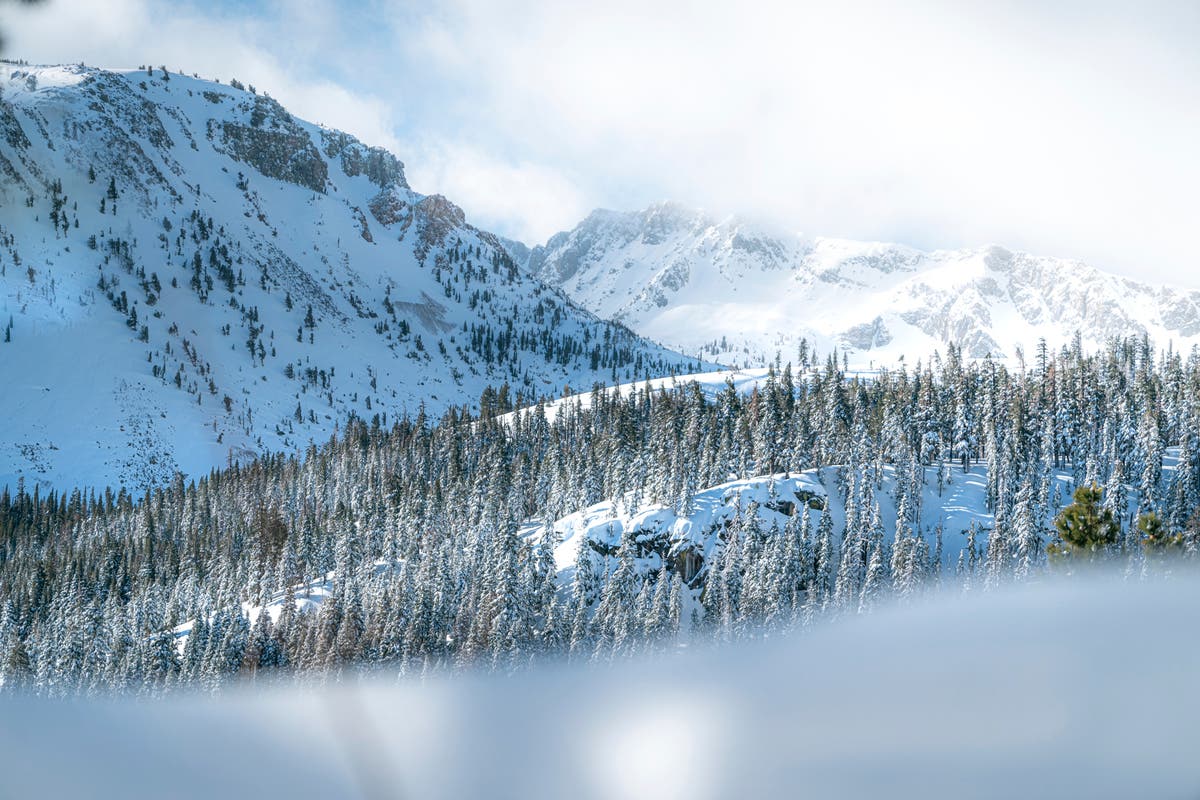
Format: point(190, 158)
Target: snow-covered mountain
point(739, 292)
point(189, 275)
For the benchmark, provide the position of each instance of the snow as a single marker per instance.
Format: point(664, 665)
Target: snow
point(28, 80)
point(1080, 687)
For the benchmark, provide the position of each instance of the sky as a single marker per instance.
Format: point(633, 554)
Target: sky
point(1064, 128)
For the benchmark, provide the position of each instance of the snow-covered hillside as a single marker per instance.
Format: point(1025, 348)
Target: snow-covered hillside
point(190, 275)
point(742, 381)
point(740, 293)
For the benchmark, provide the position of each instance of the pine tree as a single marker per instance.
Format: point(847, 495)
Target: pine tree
point(875, 582)
point(1027, 538)
point(1085, 528)
point(16, 669)
point(1156, 539)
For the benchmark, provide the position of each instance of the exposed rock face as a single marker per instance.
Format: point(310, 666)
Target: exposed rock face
point(565, 254)
point(867, 335)
point(14, 136)
point(517, 251)
point(435, 218)
point(672, 278)
point(126, 109)
point(388, 207)
point(10, 127)
point(363, 228)
point(276, 146)
point(381, 167)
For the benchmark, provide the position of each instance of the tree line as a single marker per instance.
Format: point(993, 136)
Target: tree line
point(415, 538)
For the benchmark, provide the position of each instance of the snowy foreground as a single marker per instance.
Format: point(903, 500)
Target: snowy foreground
point(1078, 687)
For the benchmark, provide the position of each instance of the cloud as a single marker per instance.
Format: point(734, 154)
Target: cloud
point(1064, 129)
point(522, 200)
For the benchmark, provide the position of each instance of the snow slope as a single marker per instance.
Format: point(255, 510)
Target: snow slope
point(189, 276)
point(744, 381)
point(740, 292)
point(710, 383)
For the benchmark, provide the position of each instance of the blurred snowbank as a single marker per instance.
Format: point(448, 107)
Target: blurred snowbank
point(1073, 688)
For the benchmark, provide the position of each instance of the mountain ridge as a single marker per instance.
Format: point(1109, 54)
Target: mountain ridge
point(739, 291)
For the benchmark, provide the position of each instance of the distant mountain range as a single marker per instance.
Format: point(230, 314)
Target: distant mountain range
point(190, 275)
point(739, 293)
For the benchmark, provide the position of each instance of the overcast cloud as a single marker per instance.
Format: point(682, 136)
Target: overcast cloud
point(1066, 131)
